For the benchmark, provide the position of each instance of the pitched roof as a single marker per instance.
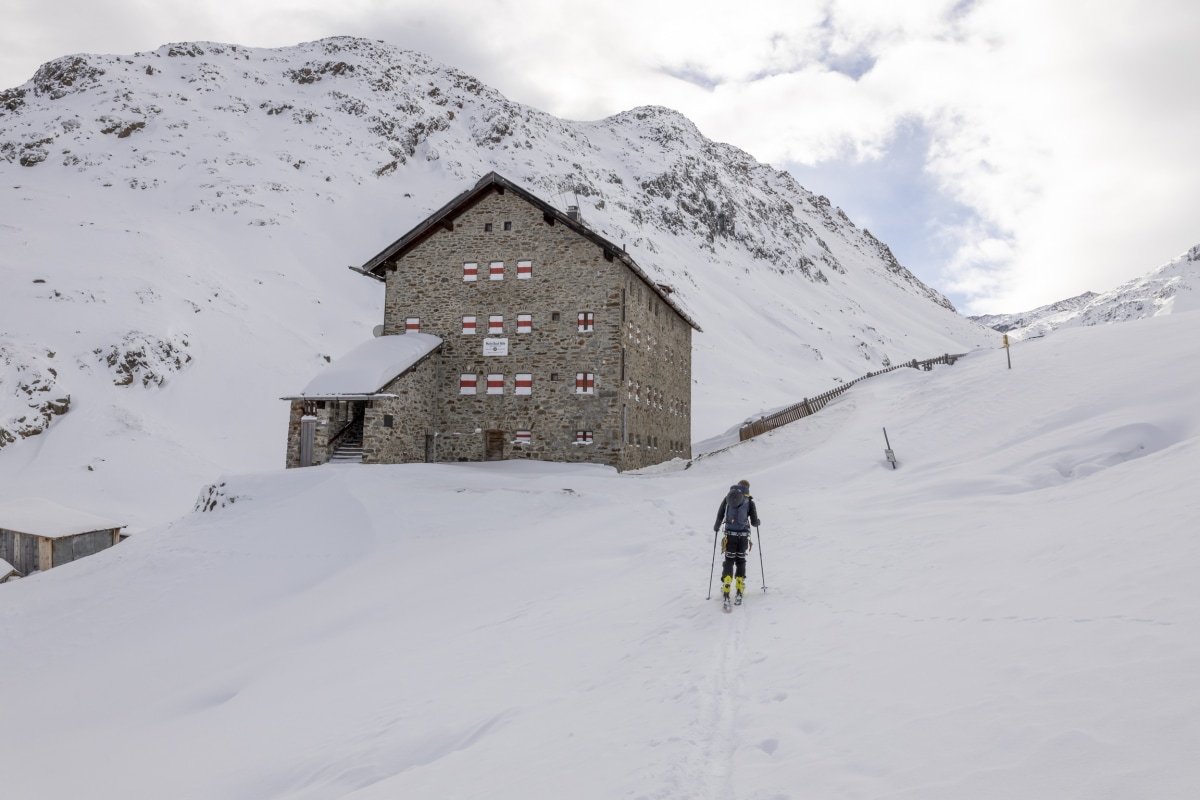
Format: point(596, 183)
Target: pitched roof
point(444, 218)
point(369, 367)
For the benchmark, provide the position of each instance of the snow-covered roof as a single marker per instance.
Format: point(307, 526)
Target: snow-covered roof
point(6, 569)
point(372, 365)
point(40, 517)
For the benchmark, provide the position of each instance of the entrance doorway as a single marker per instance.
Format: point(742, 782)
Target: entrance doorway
point(494, 446)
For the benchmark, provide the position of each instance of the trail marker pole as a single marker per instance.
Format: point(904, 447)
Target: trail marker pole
point(1008, 351)
point(891, 457)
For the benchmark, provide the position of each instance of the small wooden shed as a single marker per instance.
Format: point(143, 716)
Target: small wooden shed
point(7, 571)
point(39, 535)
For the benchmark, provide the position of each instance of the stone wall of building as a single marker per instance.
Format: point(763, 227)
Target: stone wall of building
point(397, 424)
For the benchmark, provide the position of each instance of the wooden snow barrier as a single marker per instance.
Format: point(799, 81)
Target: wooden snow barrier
point(811, 405)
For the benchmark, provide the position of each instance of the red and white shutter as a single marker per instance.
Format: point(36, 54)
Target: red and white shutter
point(412, 325)
point(496, 271)
point(585, 383)
point(587, 321)
point(467, 383)
point(495, 324)
point(495, 384)
point(468, 326)
point(524, 383)
point(583, 437)
point(524, 270)
point(524, 437)
point(524, 323)
point(470, 271)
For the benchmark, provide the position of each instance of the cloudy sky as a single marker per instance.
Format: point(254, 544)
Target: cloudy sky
point(1011, 152)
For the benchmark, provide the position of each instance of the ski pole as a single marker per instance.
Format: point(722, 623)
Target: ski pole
point(714, 565)
point(760, 561)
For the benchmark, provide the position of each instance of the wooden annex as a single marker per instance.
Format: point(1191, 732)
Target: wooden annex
point(37, 535)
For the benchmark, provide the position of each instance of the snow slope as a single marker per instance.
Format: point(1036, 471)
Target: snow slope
point(177, 224)
point(1011, 613)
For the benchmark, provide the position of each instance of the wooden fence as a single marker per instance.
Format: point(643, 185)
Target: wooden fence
point(811, 405)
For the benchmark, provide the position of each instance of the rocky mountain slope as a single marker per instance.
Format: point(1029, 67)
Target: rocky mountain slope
point(1175, 286)
point(177, 226)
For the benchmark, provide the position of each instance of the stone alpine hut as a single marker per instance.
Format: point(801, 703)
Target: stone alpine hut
point(510, 330)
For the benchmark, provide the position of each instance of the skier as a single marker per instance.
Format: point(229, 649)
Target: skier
point(738, 513)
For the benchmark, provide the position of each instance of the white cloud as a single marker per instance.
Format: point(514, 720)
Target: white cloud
point(1066, 132)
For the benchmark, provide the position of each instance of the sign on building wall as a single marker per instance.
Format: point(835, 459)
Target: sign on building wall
point(495, 347)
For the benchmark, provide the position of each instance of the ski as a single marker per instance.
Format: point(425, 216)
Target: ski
point(737, 601)
point(725, 606)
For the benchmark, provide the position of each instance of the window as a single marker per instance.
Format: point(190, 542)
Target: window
point(495, 324)
point(508, 226)
point(495, 384)
point(585, 383)
point(524, 384)
point(554, 376)
point(524, 323)
point(524, 437)
point(587, 321)
point(412, 325)
point(524, 270)
point(468, 328)
point(554, 316)
point(470, 271)
point(583, 437)
point(487, 227)
point(496, 271)
point(466, 384)
point(387, 420)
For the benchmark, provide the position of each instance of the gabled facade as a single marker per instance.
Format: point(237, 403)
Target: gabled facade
point(555, 345)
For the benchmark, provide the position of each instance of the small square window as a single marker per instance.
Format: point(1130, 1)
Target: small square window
point(554, 376)
point(554, 316)
point(487, 227)
point(387, 420)
point(508, 226)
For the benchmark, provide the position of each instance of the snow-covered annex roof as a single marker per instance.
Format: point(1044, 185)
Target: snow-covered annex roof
point(38, 517)
point(366, 369)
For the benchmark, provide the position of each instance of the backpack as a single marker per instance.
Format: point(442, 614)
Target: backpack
point(737, 510)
